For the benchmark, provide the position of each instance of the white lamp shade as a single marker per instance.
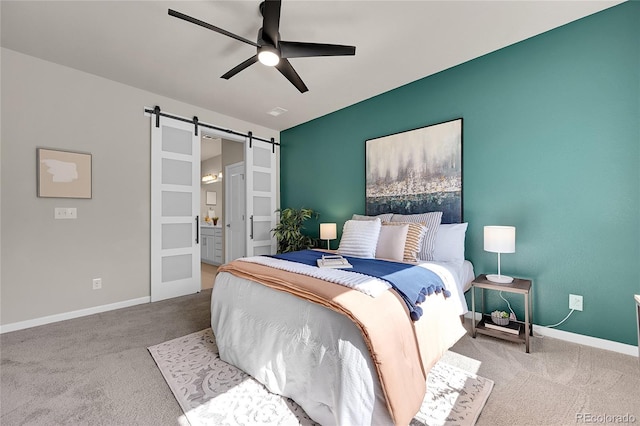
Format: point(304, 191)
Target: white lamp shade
point(328, 231)
point(500, 239)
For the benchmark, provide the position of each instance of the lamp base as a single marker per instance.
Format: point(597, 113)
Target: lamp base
point(502, 279)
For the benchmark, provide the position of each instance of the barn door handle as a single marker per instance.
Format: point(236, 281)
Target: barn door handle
point(197, 229)
point(251, 233)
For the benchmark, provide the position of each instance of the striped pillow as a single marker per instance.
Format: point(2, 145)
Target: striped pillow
point(413, 243)
point(384, 217)
point(360, 238)
point(432, 222)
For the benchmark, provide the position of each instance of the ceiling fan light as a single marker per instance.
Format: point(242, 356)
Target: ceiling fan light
point(268, 56)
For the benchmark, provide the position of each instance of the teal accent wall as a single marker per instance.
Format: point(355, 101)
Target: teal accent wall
point(551, 145)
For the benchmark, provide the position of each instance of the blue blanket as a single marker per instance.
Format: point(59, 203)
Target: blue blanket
point(412, 283)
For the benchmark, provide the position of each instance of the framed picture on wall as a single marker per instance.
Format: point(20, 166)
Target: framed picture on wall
point(416, 171)
point(212, 198)
point(63, 174)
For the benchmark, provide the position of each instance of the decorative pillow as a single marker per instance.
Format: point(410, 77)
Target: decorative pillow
point(392, 240)
point(450, 242)
point(432, 221)
point(415, 236)
point(384, 217)
point(360, 237)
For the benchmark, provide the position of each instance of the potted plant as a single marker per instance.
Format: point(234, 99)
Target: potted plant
point(288, 231)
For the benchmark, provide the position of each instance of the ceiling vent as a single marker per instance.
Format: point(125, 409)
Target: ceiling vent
point(277, 111)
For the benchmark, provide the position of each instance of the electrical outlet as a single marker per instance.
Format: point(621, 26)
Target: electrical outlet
point(97, 283)
point(575, 302)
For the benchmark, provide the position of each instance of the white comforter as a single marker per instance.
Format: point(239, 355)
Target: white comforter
point(307, 352)
point(457, 277)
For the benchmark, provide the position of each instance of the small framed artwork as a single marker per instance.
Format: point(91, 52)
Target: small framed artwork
point(63, 174)
point(211, 198)
point(416, 171)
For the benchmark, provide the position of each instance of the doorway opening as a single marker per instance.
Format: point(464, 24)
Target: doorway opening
point(217, 153)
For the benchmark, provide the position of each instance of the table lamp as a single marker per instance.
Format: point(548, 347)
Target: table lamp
point(500, 239)
point(328, 232)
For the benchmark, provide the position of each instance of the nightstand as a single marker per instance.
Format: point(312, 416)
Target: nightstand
point(485, 325)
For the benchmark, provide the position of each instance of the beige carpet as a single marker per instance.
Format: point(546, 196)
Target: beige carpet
point(211, 391)
point(558, 383)
point(208, 275)
point(96, 370)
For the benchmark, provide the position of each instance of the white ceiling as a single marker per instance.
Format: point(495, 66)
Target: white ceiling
point(137, 43)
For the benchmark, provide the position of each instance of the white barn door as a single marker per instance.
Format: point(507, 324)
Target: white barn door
point(175, 200)
point(261, 159)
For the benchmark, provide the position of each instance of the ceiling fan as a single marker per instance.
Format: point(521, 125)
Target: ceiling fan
point(271, 50)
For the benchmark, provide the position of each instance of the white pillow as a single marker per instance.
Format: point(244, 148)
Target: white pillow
point(360, 237)
point(450, 242)
point(391, 241)
point(431, 221)
point(384, 217)
point(413, 243)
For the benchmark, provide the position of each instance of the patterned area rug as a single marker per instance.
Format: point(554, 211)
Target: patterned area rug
point(210, 391)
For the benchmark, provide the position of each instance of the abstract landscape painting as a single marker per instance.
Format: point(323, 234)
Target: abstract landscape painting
point(63, 174)
point(416, 171)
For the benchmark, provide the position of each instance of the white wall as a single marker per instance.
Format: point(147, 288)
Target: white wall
point(47, 265)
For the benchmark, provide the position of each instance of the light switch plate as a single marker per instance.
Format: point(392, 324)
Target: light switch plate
point(65, 213)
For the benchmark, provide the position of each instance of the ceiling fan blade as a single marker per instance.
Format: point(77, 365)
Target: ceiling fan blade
point(287, 70)
point(235, 70)
point(210, 27)
point(294, 49)
point(271, 21)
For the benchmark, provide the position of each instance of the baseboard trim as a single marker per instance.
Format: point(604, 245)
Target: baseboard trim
point(21, 325)
point(581, 339)
point(594, 342)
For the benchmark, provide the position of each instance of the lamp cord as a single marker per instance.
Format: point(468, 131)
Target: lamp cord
point(565, 318)
point(546, 326)
point(509, 305)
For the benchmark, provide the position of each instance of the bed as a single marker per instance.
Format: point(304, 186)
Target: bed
point(340, 368)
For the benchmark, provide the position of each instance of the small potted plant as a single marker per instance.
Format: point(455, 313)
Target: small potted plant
point(288, 231)
point(215, 220)
point(500, 317)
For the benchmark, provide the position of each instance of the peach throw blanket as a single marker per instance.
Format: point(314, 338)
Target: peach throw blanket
point(402, 351)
